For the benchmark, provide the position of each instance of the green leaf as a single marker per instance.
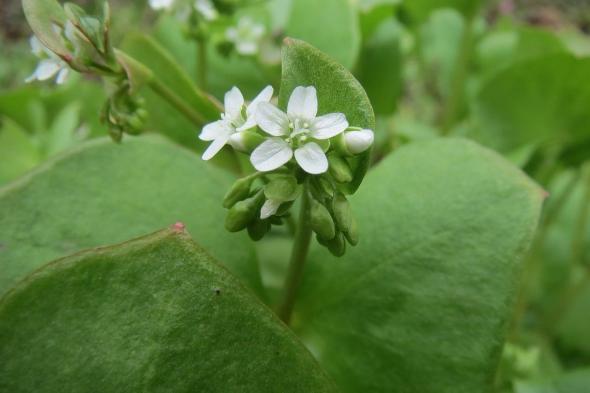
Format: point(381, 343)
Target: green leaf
point(428, 291)
point(337, 89)
point(553, 99)
point(420, 10)
point(154, 314)
point(104, 193)
point(42, 16)
point(310, 21)
point(18, 152)
point(163, 117)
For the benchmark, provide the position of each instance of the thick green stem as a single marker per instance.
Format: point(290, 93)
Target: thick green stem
point(202, 64)
point(456, 94)
point(298, 257)
point(170, 96)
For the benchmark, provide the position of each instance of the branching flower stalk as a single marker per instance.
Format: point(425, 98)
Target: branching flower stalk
point(296, 154)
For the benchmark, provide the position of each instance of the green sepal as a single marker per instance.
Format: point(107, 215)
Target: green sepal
point(238, 192)
point(352, 235)
point(283, 188)
point(244, 212)
point(339, 168)
point(321, 221)
point(90, 27)
point(257, 229)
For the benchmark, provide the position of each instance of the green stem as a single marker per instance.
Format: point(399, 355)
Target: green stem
point(202, 65)
point(459, 78)
point(298, 257)
point(166, 93)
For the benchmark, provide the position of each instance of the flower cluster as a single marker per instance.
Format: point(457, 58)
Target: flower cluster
point(294, 153)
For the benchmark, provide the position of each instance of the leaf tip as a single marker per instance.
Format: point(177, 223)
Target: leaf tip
point(178, 227)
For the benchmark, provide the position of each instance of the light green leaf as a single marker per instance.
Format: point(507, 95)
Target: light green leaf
point(155, 314)
point(330, 25)
point(553, 100)
point(420, 10)
point(18, 152)
point(62, 134)
point(104, 193)
point(337, 89)
point(429, 289)
point(43, 16)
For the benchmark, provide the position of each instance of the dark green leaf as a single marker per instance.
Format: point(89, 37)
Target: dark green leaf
point(421, 304)
point(155, 314)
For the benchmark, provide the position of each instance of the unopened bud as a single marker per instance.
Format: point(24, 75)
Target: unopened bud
point(245, 141)
point(243, 213)
point(321, 221)
point(342, 212)
point(257, 229)
point(336, 246)
point(339, 168)
point(352, 235)
point(238, 191)
point(358, 141)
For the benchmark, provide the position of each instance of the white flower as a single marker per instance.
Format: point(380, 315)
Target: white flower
point(245, 36)
point(49, 66)
point(237, 118)
point(357, 141)
point(207, 9)
point(161, 4)
point(294, 132)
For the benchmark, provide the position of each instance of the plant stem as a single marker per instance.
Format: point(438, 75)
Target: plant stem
point(166, 93)
point(459, 77)
point(202, 65)
point(298, 257)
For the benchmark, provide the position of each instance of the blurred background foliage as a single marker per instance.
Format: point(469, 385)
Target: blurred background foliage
point(513, 75)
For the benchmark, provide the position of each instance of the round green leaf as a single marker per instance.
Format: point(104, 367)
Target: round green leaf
point(104, 193)
point(155, 314)
point(428, 290)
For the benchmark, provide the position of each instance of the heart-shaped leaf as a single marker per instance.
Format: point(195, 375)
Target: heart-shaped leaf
point(422, 303)
point(154, 314)
point(104, 193)
point(337, 90)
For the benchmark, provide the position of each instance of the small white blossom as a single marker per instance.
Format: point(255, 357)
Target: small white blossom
point(293, 133)
point(207, 9)
point(161, 4)
point(269, 208)
point(237, 118)
point(50, 65)
point(357, 141)
point(245, 36)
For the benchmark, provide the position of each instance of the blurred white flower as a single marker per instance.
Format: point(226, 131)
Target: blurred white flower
point(207, 9)
point(245, 36)
point(49, 66)
point(237, 118)
point(161, 4)
point(296, 133)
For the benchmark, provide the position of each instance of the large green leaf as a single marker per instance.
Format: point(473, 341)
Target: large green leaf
point(330, 25)
point(543, 100)
point(104, 193)
point(156, 314)
point(337, 89)
point(422, 303)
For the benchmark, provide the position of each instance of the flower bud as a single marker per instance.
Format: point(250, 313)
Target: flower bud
point(321, 221)
point(339, 169)
point(257, 229)
point(352, 234)
point(243, 213)
point(358, 141)
point(238, 191)
point(245, 141)
point(336, 246)
point(342, 212)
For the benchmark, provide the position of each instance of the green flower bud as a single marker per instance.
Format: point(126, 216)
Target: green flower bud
point(340, 169)
point(238, 191)
point(352, 234)
point(336, 246)
point(243, 213)
point(257, 229)
point(342, 212)
point(283, 188)
point(245, 141)
point(321, 221)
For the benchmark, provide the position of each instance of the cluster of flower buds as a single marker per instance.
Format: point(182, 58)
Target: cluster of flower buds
point(296, 153)
point(81, 42)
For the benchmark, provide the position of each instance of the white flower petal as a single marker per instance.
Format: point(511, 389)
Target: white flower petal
point(161, 4)
point(303, 103)
point(328, 126)
point(358, 141)
point(236, 140)
point(271, 119)
point(312, 158)
point(47, 69)
point(231, 34)
point(207, 9)
point(269, 208)
point(264, 96)
point(246, 47)
point(215, 130)
point(36, 46)
point(233, 102)
point(62, 76)
point(215, 147)
point(271, 154)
